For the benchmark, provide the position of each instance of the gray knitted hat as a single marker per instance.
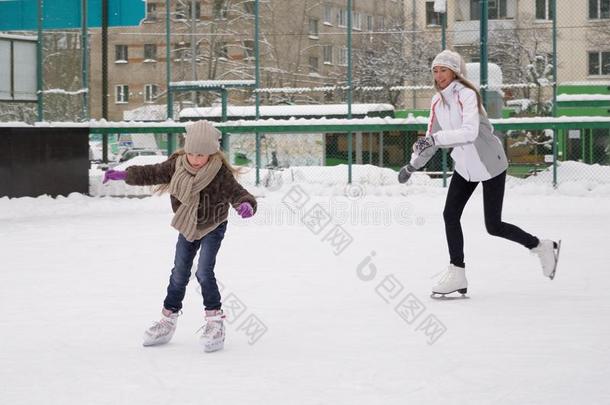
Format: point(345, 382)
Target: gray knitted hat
point(202, 138)
point(451, 60)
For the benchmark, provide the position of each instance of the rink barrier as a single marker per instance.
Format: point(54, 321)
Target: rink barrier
point(37, 161)
point(52, 158)
point(562, 127)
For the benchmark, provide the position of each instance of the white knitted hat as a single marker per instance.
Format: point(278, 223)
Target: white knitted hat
point(202, 138)
point(451, 60)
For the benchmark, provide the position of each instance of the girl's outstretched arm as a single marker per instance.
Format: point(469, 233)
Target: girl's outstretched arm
point(150, 175)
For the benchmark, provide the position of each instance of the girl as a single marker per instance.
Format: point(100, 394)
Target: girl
point(201, 185)
point(459, 121)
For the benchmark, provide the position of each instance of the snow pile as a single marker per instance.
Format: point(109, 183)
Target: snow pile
point(574, 178)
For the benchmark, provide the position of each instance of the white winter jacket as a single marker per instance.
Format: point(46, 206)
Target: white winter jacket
point(456, 123)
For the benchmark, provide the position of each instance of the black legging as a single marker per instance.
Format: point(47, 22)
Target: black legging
point(459, 192)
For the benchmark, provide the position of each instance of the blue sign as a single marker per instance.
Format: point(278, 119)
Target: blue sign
point(22, 15)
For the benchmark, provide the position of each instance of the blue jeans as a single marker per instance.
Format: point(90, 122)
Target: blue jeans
point(183, 262)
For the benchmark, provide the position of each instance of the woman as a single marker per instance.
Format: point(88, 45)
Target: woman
point(458, 120)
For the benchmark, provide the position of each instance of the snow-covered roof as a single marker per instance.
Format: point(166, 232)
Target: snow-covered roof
point(94, 124)
point(300, 121)
point(400, 121)
point(213, 83)
point(19, 37)
point(550, 120)
point(324, 121)
point(285, 110)
point(149, 112)
point(583, 97)
point(586, 83)
point(66, 92)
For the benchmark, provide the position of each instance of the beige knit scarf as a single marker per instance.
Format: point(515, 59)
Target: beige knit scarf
point(186, 185)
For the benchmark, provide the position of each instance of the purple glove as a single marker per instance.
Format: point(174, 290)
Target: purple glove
point(422, 144)
point(114, 175)
point(245, 210)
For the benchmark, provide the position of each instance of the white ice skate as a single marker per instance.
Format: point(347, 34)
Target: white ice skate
point(548, 253)
point(162, 331)
point(213, 336)
point(453, 280)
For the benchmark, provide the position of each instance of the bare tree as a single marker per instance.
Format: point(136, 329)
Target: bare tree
point(524, 56)
point(393, 59)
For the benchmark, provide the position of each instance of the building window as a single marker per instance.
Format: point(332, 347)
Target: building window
point(313, 64)
point(328, 54)
point(357, 23)
point(121, 94)
point(328, 14)
point(432, 18)
point(343, 56)
point(120, 53)
point(599, 9)
point(313, 28)
point(544, 10)
point(380, 22)
point(498, 9)
point(599, 63)
point(151, 12)
point(150, 93)
point(342, 18)
point(150, 52)
point(221, 9)
point(369, 23)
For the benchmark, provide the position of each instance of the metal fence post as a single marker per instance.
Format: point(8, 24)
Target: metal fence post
point(443, 46)
point(257, 75)
point(39, 71)
point(484, 15)
point(105, 76)
point(225, 135)
point(168, 75)
point(349, 89)
point(554, 11)
point(85, 59)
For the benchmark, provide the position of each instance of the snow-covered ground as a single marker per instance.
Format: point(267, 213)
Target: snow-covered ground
point(330, 312)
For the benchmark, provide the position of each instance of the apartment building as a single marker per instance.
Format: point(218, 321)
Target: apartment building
point(302, 44)
point(520, 35)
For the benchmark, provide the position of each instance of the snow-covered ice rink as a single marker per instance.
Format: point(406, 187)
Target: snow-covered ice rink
point(315, 317)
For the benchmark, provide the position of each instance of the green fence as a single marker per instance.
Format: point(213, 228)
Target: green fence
point(544, 58)
point(530, 144)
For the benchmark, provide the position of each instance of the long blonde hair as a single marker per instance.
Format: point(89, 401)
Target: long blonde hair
point(163, 188)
